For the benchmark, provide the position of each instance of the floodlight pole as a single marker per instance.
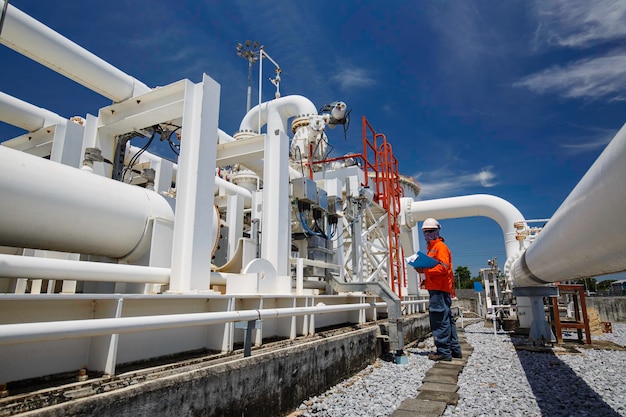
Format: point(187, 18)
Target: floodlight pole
point(249, 99)
point(250, 53)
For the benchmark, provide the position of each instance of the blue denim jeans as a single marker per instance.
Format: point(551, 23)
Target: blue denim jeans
point(443, 324)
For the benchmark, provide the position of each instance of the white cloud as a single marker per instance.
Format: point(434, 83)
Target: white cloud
point(443, 183)
point(597, 139)
point(580, 23)
point(589, 78)
point(352, 77)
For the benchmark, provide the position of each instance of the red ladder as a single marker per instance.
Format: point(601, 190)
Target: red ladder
point(387, 192)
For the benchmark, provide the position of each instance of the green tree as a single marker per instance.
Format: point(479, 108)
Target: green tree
point(589, 283)
point(463, 277)
point(604, 285)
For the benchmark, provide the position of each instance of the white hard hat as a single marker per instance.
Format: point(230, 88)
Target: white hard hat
point(431, 223)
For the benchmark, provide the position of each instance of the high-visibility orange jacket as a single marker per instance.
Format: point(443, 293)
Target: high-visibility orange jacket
point(441, 276)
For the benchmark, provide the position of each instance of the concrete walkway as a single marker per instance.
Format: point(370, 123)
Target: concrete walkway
point(439, 387)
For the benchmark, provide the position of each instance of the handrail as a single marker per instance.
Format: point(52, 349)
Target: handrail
point(42, 331)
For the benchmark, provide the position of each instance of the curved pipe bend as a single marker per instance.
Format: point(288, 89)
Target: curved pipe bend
point(284, 107)
point(496, 208)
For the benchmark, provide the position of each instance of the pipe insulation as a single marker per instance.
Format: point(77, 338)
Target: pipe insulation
point(496, 208)
point(50, 206)
point(35, 40)
point(586, 236)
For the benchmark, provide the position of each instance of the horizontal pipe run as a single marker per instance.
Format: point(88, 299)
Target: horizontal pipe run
point(13, 266)
point(51, 206)
point(585, 236)
point(25, 115)
point(37, 332)
point(35, 40)
point(413, 302)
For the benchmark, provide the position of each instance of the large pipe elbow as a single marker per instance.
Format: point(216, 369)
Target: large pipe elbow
point(496, 208)
point(283, 107)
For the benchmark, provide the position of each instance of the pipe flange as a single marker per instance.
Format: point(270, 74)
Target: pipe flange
point(298, 123)
point(245, 134)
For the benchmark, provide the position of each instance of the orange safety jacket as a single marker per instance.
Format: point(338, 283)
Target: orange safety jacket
point(441, 276)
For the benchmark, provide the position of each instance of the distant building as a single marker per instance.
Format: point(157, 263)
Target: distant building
point(618, 287)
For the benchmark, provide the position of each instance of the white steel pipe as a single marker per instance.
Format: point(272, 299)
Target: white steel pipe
point(36, 332)
point(282, 109)
point(47, 205)
point(586, 236)
point(35, 40)
point(496, 208)
point(276, 229)
point(12, 266)
point(25, 115)
point(234, 189)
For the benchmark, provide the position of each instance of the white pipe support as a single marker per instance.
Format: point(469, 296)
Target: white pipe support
point(13, 266)
point(52, 206)
point(195, 227)
point(25, 115)
point(496, 208)
point(585, 237)
point(35, 40)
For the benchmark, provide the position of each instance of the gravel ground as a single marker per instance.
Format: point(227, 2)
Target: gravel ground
point(497, 381)
point(375, 391)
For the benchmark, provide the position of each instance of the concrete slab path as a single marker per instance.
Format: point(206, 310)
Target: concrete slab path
point(439, 387)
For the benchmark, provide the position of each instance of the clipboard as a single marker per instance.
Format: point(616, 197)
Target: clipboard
point(421, 260)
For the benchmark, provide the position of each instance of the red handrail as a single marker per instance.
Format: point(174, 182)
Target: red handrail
point(381, 167)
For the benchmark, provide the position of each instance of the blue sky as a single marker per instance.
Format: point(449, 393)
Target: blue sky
point(514, 99)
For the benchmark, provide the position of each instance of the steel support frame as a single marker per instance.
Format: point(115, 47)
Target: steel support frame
point(394, 309)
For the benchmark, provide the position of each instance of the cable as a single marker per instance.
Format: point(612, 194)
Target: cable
point(299, 152)
point(346, 125)
point(3, 15)
point(173, 146)
point(318, 229)
point(306, 227)
point(134, 159)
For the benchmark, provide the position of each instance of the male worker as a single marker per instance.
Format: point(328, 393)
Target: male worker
point(440, 283)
